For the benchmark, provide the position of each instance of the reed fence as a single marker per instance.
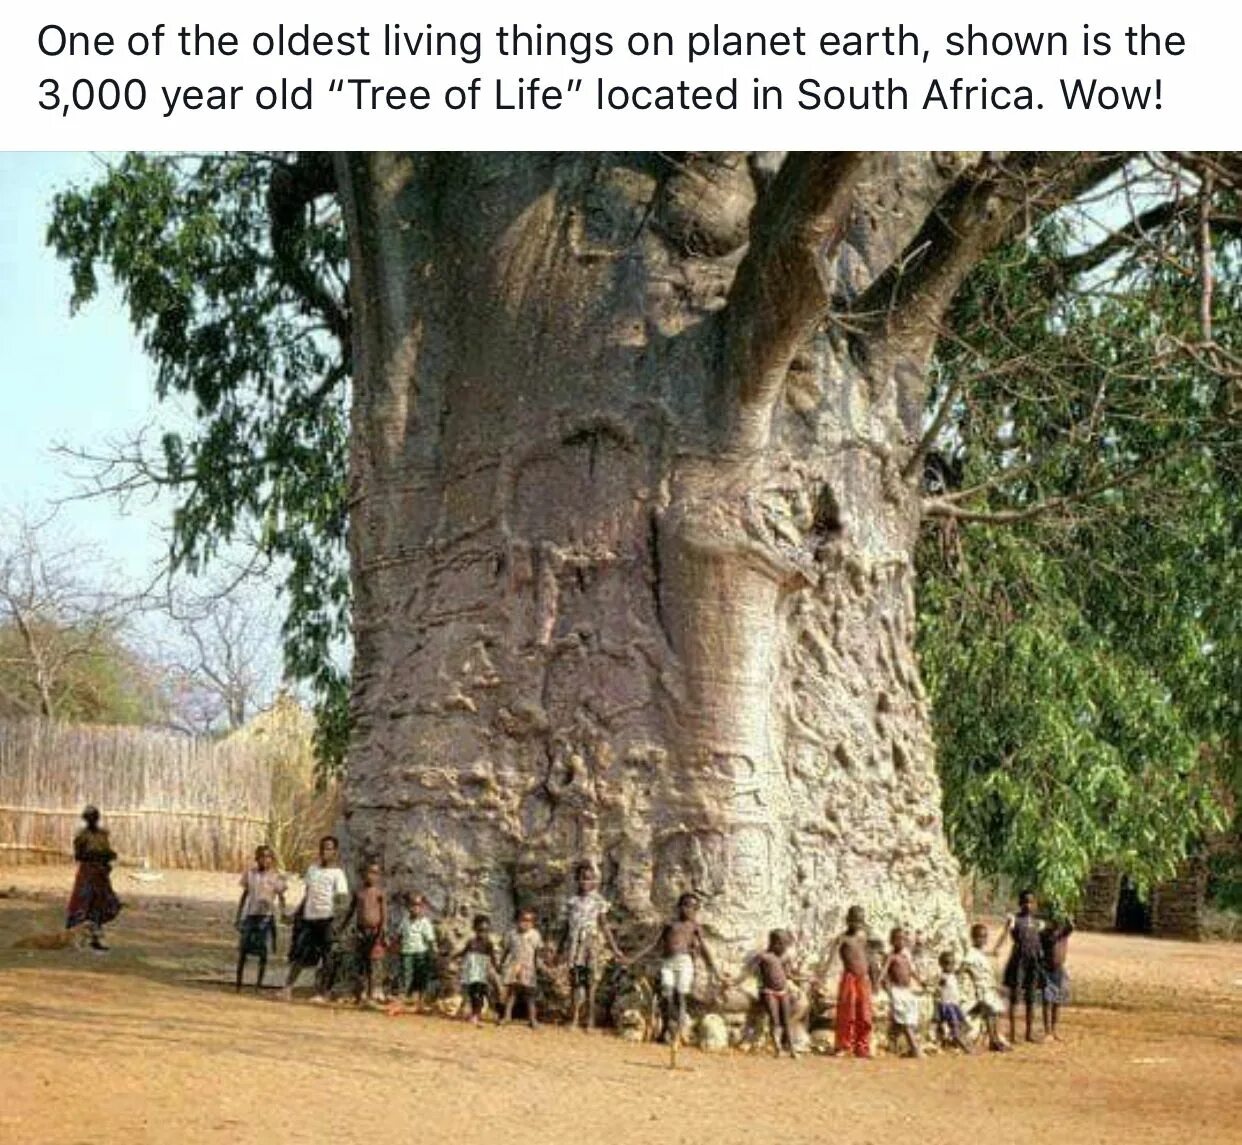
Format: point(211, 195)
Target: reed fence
point(168, 799)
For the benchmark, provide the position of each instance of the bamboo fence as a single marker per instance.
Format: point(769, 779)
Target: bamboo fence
point(168, 800)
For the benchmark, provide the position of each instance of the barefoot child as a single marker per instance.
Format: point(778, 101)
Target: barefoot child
point(678, 942)
point(899, 976)
point(417, 935)
point(774, 969)
point(853, 1014)
point(949, 1017)
point(585, 922)
point(314, 928)
point(518, 971)
point(1024, 974)
point(977, 966)
point(369, 909)
point(478, 964)
point(263, 887)
point(1054, 945)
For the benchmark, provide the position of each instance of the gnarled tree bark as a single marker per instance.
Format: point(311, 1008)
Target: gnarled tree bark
point(633, 524)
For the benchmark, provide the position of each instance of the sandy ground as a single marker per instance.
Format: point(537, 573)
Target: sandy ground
point(134, 1047)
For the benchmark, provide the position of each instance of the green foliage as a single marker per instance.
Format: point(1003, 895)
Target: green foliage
point(1084, 659)
point(254, 331)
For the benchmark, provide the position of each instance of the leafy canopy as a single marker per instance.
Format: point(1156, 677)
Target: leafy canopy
point(231, 266)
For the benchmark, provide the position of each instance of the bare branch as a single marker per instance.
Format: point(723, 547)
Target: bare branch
point(947, 506)
point(982, 208)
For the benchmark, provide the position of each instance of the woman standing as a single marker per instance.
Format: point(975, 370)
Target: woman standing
point(93, 900)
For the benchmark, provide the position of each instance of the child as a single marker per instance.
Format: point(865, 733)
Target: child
point(584, 922)
point(369, 909)
point(314, 928)
point(903, 1002)
point(853, 1015)
point(262, 888)
point(949, 1016)
point(521, 948)
point(478, 964)
point(679, 941)
point(1054, 946)
point(774, 970)
point(977, 966)
point(417, 935)
point(92, 900)
point(1024, 974)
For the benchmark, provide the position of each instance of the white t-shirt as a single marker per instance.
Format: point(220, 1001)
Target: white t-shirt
point(950, 995)
point(323, 884)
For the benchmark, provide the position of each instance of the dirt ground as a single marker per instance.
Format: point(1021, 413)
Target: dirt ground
point(135, 1046)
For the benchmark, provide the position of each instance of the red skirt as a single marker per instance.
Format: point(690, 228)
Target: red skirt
point(92, 899)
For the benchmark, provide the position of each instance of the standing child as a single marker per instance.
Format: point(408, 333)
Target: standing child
point(314, 921)
point(585, 922)
point(774, 970)
point(263, 887)
point(478, 964)
point(1024, 973)
point(977, 966)
point(949, 1016)
point(417, 935)
point(92, 900)
point(369, 909)
point(678, 942)
point(1054, 947)
point(853, 1014)
point(518, 970)
point(899, 976)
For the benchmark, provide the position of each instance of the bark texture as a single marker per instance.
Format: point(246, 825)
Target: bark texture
point(631, 539)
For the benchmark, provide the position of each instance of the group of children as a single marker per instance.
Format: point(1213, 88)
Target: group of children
point(1035, 969)
point(1036, 964)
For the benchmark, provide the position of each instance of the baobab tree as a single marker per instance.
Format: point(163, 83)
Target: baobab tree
point(635, 483)
point(638, 454)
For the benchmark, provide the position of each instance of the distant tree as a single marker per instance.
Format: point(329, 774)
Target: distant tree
point(219, 663)
point(63, 647)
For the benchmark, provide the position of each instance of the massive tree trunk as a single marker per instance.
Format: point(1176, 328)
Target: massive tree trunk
point(632, 529)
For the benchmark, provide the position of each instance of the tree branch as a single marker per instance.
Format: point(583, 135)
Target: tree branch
point(982, 209)
point(780, 290)
point(293, 187)
point(946, 507)
point(1135, 231)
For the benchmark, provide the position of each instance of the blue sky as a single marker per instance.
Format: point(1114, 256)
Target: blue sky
point(78, 381)
point(69, 380)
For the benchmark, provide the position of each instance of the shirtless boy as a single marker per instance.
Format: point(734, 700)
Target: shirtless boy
point(774, 970)
point(853, 1017)
point(679, 941)
point(899, 977)
point(1054, 946)
point(369, 909)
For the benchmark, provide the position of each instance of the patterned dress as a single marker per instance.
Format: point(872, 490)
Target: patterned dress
point(521, 948)
point(581, 920)
point(92, 900)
